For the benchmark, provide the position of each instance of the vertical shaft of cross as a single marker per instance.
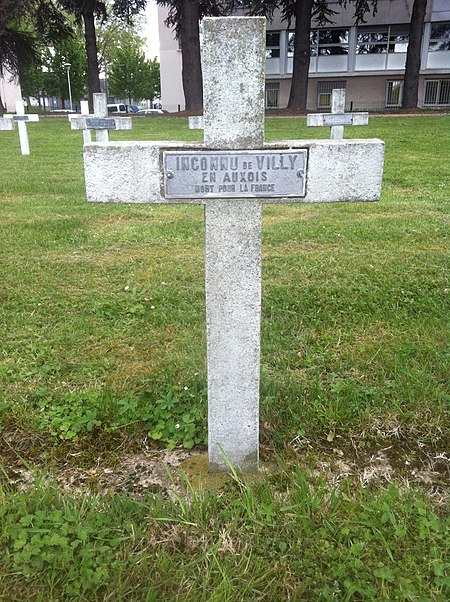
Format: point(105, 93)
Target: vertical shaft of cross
point(233, 119)
point(23, 134)
point(100, 111)
point(84, 110)
point(337, 108)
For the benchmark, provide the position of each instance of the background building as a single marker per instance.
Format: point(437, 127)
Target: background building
point(367, 60)
point(9, 92)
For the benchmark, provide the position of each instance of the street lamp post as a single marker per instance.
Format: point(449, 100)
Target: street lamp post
point(106, 80)
point(67, 66)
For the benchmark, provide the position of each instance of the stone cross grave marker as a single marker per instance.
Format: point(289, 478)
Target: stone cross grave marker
point(232, 174)
point(22, 119)
point(99, 121)
point(338, 118)
point(84, 111)
point(195, 122)
point(6, 124)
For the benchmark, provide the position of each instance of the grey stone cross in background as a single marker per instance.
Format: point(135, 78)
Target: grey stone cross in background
point(338, 118)
point(232, 174)
point(84, 112)
point(21, 118)
point(99, 121)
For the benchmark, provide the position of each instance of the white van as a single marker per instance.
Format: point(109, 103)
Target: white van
point(117, 108)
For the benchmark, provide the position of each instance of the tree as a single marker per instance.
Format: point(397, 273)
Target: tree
point(184, 17)
point(132, 75)
point(86, 12)
point(413, 55)
point(303, 11)
point(47, 75)
point(25, 25)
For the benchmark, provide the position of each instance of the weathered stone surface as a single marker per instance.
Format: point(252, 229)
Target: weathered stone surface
point(125, 172)
point(233, 308)
point(233, 82)
point(233, 92)
point(351, 170)
point(130, 172)
point(196, 122)
point(6, 124)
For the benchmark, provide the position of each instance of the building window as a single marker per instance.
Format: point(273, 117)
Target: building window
point(271, 95)
point(394, 93)
point(272, 44)
point(439, 37)
point(437, 93)
point(398, 38)
point(323, 42)
point(383, 39)
point(332, 41)
point(324, 90)
point(372, 40)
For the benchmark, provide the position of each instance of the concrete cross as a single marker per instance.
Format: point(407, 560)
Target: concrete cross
point(196, 122)
point(232, 174)
point(22, 119)
point(99, 121)
point(6, 124)
point(338, 117)
point(84, 111)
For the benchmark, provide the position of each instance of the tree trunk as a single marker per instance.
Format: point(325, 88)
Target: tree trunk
point(413, 55)
point(2, 106)
point(191, 72)
point(91, 51)
point(300, 68)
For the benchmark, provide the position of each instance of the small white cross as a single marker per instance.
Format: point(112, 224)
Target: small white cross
point(338, 117)
point(6, 124)
point(84, 111)
point(99, 121)
point(22, 119)
point(196, 122)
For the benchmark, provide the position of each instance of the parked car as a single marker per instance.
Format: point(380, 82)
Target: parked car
point(133, 108)
point(117, 108)
point(150, 112)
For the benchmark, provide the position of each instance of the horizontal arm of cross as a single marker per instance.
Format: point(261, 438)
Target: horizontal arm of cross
point(132, 172)
point(30, 117)
point(90, 122)
point(332, 119)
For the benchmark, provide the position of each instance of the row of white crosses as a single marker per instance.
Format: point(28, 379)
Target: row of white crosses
point(99, 122)
point(232, 174)
point(9, 120)
point(336, 120)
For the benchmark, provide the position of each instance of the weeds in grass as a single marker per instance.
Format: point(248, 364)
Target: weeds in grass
point(282, 539)
point(102, 328)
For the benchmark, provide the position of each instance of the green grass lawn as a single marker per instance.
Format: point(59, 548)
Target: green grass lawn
point(103, 352)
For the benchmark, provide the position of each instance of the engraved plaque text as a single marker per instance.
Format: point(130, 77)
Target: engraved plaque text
point(338, 119)
point(234, 174)
point(100, 124)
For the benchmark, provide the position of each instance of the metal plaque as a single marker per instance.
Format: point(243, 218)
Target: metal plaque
point(345, 119)
point(234, 174)
point(21, 118)
point(101, 124)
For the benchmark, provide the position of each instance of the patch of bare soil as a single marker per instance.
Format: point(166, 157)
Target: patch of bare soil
point(140, 472)
point(413, 464)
